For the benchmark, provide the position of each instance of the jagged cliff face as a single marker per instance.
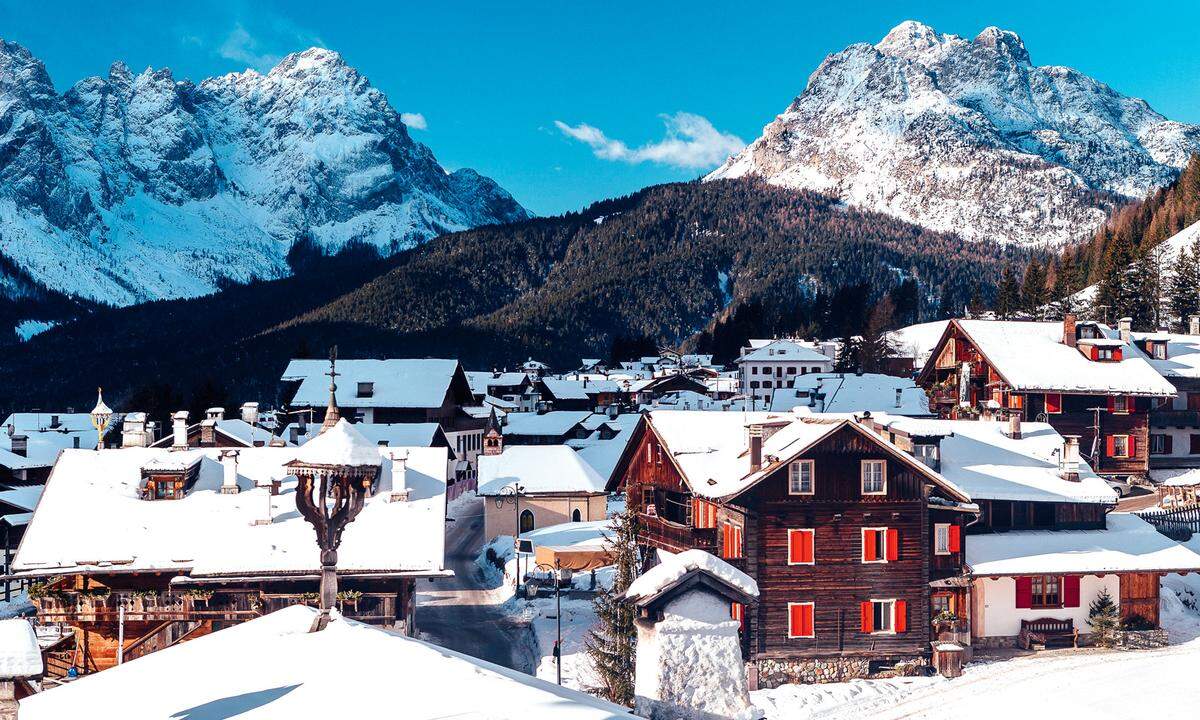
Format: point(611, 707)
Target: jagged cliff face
point(967, 136)
point(130, 188)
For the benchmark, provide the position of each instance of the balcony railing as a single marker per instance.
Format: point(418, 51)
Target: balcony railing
point(675, 537)
point(1175, 418)
point(88, 607)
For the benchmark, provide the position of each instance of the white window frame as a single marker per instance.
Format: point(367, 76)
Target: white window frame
point(892, 629)
point(862, 550)
point(1160, 351)
point(795, 472)
point(941, 531)
point(813, 534)
point(814, 617)
point(1121, 454)
point(863, 464)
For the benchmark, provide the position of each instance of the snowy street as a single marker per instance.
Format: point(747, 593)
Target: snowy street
point(461, 613)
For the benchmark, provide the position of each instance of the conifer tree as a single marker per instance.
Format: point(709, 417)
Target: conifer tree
point(875, 348)
point(1114, 292)
point(1007, 295)
point(1068, 280)
point(1146, 296)
point(611, 645)
point(1184, 289)
point(1033, 289)
point(1105, 619)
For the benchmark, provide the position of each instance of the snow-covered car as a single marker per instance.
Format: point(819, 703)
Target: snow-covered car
point(1122, 485)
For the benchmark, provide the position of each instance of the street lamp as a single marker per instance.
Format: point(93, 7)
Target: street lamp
point(512, 493)
point(555, 571)
point(101, 416)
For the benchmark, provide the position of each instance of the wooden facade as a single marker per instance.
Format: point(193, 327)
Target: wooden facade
point(836, 584)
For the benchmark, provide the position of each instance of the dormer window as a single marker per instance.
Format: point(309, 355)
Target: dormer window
point(1158, 350)
point(927, 453)
point(366, 389)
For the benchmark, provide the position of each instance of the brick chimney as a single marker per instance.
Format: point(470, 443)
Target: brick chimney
point(179, 424)
point(208, 432)
point(1069, 329)
point(755, 433)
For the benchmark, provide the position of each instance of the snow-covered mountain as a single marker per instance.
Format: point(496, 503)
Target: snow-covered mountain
point(136, 187)
point(967, 136)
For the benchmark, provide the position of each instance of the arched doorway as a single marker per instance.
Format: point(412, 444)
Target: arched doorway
point(526, 521)
point(576, 516)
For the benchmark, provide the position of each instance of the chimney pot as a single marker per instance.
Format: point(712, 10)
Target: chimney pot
point(400, 489)
point(1069, 320)
point(1069, 462)
point(1125, 328)
point(899, 392)
point(1014, 426)
point(1194, 325)
point(229, 484)
point(179, 423)
point(250, 413)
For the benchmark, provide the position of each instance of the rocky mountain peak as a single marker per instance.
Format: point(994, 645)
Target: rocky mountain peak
point(967, 136)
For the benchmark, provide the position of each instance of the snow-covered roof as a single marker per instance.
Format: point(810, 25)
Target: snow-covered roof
point(25, 498)
point(272, 667)
point(31, 422)
point(786, 351)
point(43, 442)
point(594, 534)
point(398, 382)
point(92, 518)
point(400, 434)
point(1176, 477)
point(20, 656)
point(1031, 357)
point(978, 456)
point(917, 341)
point(570, 389)
point(1130, 544)
point(603, 455)
point(554, 423)
point(538, 469)
point(674, 568)
point(481, 380)
point(851, 393)
point(1183, 354)
point(711, 448)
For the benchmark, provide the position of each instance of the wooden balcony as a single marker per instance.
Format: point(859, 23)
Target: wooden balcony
point(69, 606)
point(1175, 419)
point(674, 537)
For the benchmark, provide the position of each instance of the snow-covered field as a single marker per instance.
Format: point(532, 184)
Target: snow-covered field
point(1162, 684)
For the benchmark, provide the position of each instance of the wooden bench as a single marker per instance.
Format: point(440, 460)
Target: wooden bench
point(1044, 631)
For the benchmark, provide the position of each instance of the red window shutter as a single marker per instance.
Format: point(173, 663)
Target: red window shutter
point(738, 548)
point(1095, 353)
point(901, 616)
point(1024, 592)
point(1118, 354)
point(869, 544)
point(807, 624)
point(809, 553)
point(726, 540)
point(1070, 585)
point(868, 619)
point(1053, 402)
point(955, 538)
point(1132, 446)
point(1108, 441)
point(893, 545)
point(1112, 403)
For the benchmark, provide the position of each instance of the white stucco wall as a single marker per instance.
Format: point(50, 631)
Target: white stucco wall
point(994, 604)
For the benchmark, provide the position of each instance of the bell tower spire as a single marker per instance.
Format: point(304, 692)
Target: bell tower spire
point(332, 414)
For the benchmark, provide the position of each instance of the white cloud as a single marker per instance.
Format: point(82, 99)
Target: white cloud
point(691, 142)
point(416, 121)
point(241, 46)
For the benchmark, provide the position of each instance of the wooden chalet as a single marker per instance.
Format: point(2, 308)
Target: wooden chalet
point(138, 549)
point(843, 532)
point(1082, 378)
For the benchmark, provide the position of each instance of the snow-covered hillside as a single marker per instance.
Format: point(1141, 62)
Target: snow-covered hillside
point(967, 136)
point(1182, 240)
point(135, 187)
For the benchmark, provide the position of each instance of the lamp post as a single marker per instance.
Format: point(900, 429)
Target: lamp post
point(513, 493)
point(101, 416)
point(555, 571)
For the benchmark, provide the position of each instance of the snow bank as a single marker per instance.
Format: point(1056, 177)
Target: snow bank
point(20, 656)
point(674, 567)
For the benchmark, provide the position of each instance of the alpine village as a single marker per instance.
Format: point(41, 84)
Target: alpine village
point(892, 412)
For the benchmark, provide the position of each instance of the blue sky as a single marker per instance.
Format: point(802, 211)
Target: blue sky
point(491, 79)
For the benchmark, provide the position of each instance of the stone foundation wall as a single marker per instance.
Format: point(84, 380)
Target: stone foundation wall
point(772, 672)
point(1142, 639)
point(995, 642)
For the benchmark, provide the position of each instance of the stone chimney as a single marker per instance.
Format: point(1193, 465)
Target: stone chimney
point(214, 413)
point(133, 431)
point(755, 433)
point(20, 445)
point(179, 425)
point(208, 432)
point(899, 393)
point(1125, 328)
point(1069, 329)
point(1069, 462)
point(1194, 325)
point(229, 483)
point(1014, 427)
point(250, 413)
point(400, 489)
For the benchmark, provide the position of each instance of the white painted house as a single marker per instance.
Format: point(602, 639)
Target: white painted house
point(769, 364)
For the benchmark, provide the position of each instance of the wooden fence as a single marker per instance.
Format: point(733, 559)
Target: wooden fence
point(1178, 523)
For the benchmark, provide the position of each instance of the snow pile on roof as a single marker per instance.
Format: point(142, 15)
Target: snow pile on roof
point(273, 667)
point(603, 455)
point(1183, 354)
point(917, 341)
point(978, 456)
point(594, 534)
point(673, 568)
point(1130, 544)
point(44, 439)
point(538, 469)
point(339, 445)
point(20, 656)
point(92, 518)
point(851, 393)
point(577, 389)
point(25, 498)
point(1031, 356)
point(402, 383)
point(554, 423)
point(786, 351)
point(1172, 477)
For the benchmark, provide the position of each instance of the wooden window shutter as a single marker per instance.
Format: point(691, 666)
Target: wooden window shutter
point(901, 623)
point(1095, 353)
point(1054, 402)
point(806, 620)
point(955, 538)
point(1108, 443)
point(1024, 592)
point(869, 544)
point(1070, 586)
point(1118, 354)
point(1167, 444)
point(1132, 446)
point(868, 620)
point(893, 545)
point(1112, 403)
